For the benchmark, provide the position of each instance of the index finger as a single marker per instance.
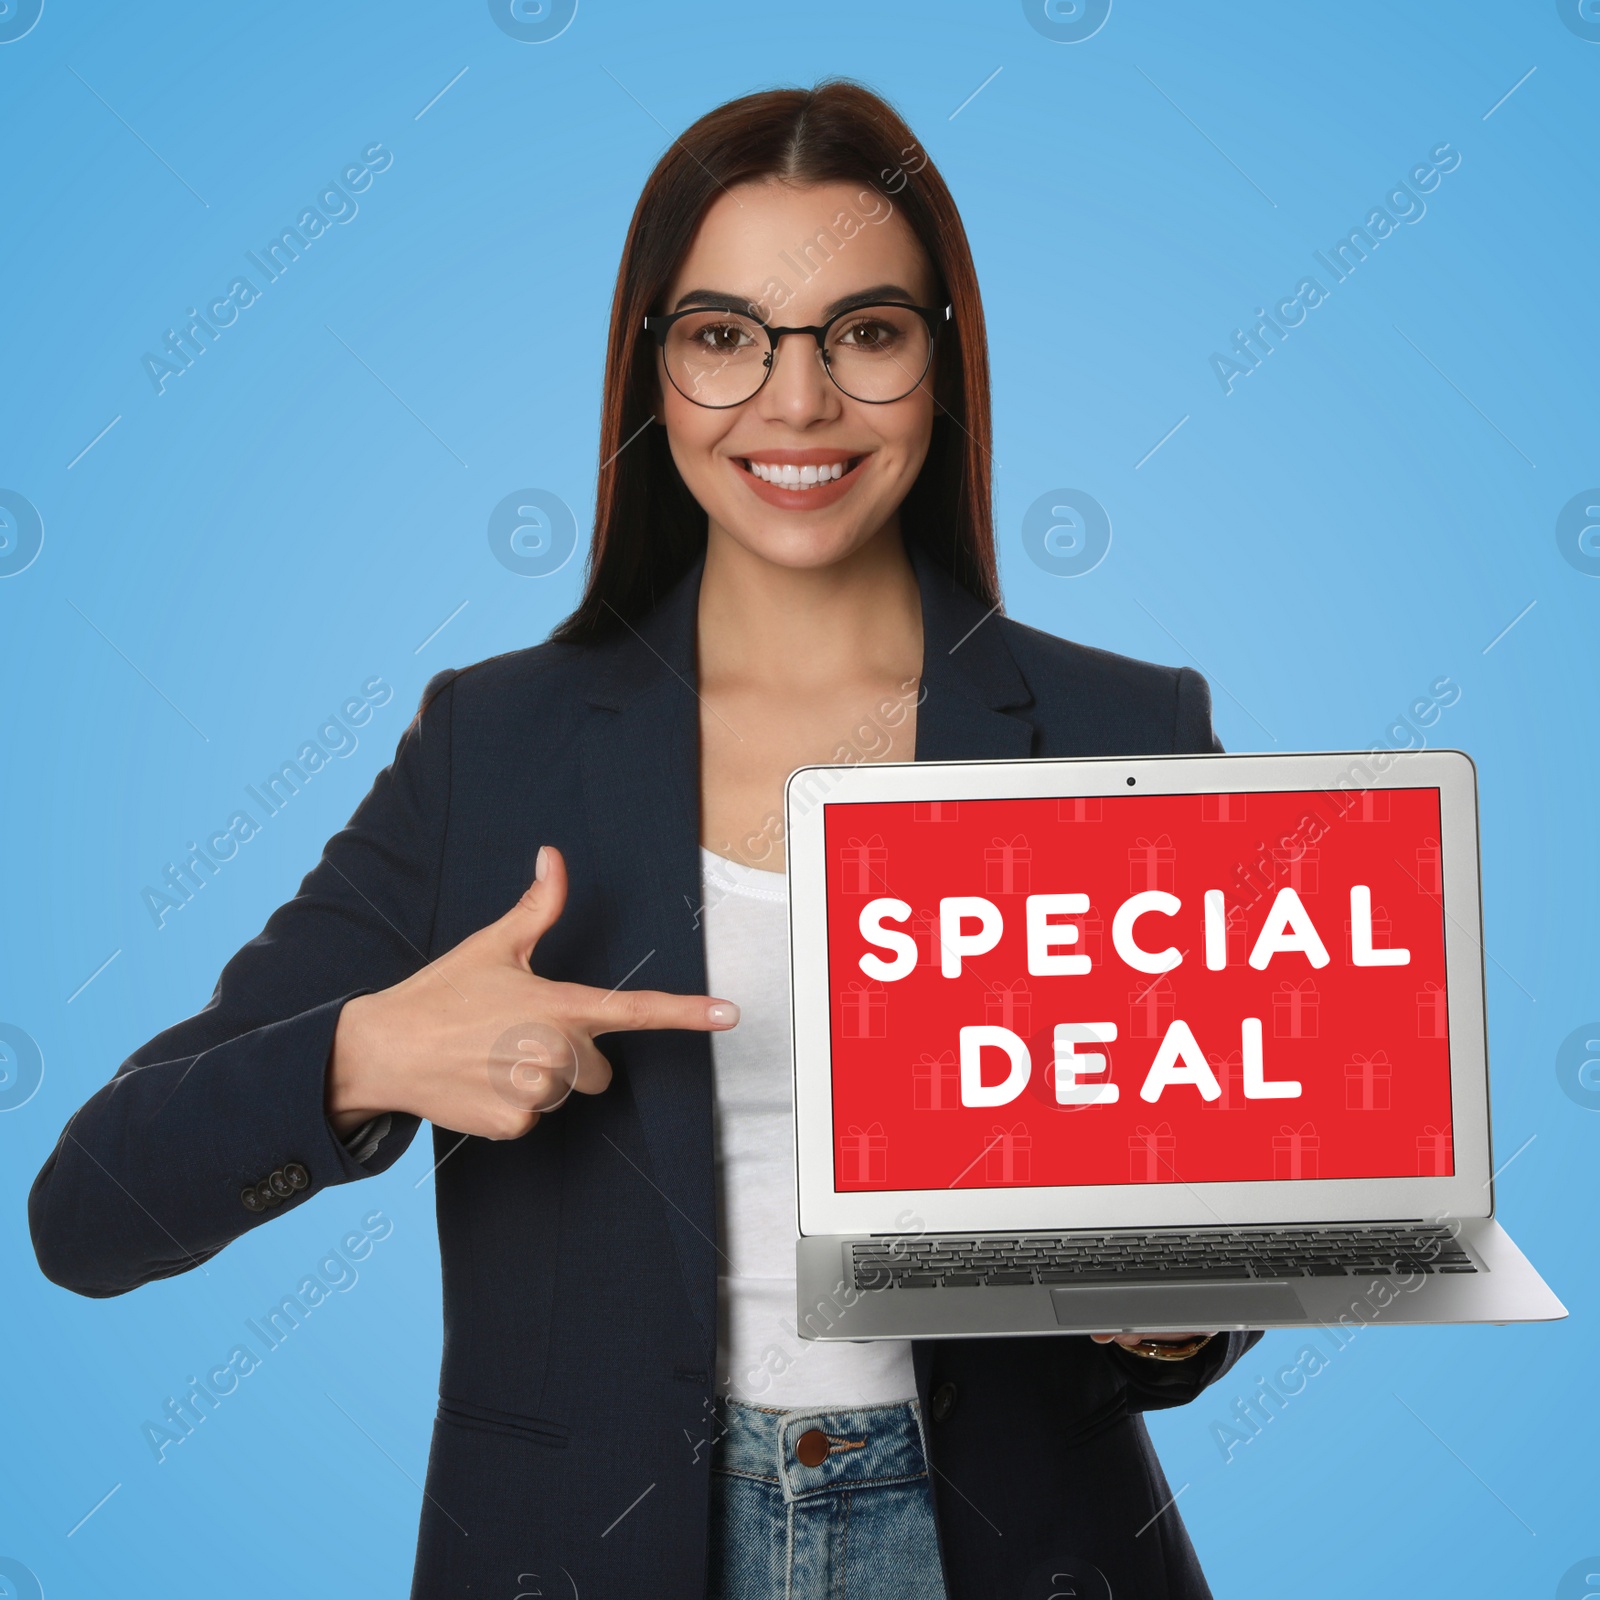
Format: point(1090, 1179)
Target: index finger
point(634, 1010)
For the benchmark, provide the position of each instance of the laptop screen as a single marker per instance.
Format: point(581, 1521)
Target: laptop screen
point(1137, 989)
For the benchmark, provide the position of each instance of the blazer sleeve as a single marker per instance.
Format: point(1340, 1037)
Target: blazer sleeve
point(1155, 1385)
point(166, 1164)
point(1192, 733)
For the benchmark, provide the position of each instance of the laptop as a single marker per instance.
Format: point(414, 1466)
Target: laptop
point(1155, 1044)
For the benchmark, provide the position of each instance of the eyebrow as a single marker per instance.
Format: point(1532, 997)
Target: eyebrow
point(721, 299)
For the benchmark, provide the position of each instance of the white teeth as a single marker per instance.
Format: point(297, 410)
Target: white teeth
point(798, 479)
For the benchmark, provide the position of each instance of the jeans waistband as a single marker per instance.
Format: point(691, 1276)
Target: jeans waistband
point(864, 1445)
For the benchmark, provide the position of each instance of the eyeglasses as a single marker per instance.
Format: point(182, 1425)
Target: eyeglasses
point(718, 356)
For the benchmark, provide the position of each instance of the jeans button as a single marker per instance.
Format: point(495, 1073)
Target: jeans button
point(942, 1402)
point(812, 1447)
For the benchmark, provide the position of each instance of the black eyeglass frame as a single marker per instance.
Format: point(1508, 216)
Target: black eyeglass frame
point(935, 319)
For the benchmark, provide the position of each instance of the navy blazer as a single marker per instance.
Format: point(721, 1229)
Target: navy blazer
point(579, 1263)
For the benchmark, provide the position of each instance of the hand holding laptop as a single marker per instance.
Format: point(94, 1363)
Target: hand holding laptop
point(1130, 1340)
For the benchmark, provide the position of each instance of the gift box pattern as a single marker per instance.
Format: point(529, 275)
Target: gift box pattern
point(863, 864)
point(1081, 808)
point(864, 1154)
point(1294, 1151)
point(1382, 934)
point(1432, 1012)
point(1006, 864)
point(1150, 1153)
point(1430, 868)
point(1151, 1009)
point(1297, 867)
point(1435, 1153)
point(1152, 864)
point(863, 1012)
point(1006, 1153)
point(1222, 808)
point(925, 930)
point(936, 1082)
point(1228, 1070)
point(1296, 1009)
point(1008, 1005)
point(937, 810)
point(1370, 805)
point(1367, 1081)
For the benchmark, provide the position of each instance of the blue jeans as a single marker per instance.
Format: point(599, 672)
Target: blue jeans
point(857, 1525)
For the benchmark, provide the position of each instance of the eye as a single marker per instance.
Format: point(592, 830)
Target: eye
point(869, 335)
point(721, 338)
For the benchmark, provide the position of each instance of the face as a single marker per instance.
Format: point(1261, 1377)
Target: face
point(755, 247)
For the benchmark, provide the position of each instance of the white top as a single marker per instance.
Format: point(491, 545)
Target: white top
point(760, 1356)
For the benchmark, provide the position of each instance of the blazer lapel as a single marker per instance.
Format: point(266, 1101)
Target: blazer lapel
point(641, 768)
point(968, 675)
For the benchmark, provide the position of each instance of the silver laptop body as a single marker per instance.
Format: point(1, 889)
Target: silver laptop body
point(950, 1261)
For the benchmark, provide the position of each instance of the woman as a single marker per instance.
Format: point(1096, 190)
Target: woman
point(792, 528)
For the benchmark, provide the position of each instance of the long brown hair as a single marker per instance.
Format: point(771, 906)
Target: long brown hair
point(648, 529)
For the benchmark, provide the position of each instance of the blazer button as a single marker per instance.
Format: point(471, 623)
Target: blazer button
point(265, 1195)
point(250, 1200)
point(942, 1402)
point(297, 1175)
point(280, 1185)
point(811, 1448)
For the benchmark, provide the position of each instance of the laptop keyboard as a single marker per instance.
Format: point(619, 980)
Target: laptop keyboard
point(1211, 1255)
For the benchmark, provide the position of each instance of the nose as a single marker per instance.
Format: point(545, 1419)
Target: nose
point(798, 391)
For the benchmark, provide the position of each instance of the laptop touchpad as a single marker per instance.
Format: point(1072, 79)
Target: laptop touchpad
point(1199, 1306)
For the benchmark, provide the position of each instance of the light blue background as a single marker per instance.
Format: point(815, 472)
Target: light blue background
point(305, 507)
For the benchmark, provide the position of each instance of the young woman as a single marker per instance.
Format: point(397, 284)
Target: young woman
point(792, 532)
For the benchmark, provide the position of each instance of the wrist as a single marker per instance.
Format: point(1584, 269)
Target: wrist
point(352, 1084)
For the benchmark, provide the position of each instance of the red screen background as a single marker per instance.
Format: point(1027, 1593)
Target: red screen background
point(1369, 1045)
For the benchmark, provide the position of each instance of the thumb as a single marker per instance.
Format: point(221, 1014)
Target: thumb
point(542, 902)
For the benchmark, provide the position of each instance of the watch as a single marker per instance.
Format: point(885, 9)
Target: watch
point(1159, 1350)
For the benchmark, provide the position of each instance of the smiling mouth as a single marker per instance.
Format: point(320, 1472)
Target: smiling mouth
point(800, 479)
